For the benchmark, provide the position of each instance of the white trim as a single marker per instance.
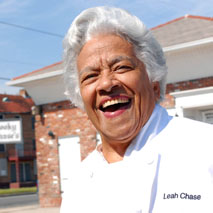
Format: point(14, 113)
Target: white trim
point(192, 92)
point(188, 44)
point(34, 78)
point(202, 97)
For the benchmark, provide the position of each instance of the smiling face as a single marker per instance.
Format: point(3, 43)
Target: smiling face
point(117, 94)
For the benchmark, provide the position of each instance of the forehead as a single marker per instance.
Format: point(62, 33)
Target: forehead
point(106, 48)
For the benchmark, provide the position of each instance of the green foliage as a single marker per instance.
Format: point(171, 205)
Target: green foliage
point(18, 191)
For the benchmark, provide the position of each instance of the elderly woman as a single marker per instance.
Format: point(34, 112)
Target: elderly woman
point(148, 161)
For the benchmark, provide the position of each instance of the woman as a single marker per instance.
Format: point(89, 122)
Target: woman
point(115, 70)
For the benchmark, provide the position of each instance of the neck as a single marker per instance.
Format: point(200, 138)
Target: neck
point(114, 152)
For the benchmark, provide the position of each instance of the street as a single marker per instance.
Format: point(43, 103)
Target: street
point(18, 200)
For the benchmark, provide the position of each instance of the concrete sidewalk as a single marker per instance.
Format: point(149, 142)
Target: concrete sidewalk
point(30, 209)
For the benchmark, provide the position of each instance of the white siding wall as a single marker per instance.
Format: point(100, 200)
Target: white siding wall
point(191, 63)
point(48, 90)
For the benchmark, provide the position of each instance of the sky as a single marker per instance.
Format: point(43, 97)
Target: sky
point(23, 51)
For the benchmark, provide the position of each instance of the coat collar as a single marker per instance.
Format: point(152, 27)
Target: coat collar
point(156, 123)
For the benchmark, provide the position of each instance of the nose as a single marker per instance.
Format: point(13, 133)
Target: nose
point(106, 82)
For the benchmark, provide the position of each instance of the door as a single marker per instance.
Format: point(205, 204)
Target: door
point(69, 158)
point(13, 172)
point(25, 172)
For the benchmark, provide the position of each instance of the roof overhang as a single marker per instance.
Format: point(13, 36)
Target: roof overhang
point(201, 97)
point(192, 92)
point(190, 44)
point(21, 81)
point(43, 88)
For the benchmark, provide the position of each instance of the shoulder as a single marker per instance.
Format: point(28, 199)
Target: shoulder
point(188, 128)
point(183, 120)
point(186, 137)
point(185, 147)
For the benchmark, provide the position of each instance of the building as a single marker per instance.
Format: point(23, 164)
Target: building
point(64, 135)
point(59, 127)
point(17, 142)
point(188, 46)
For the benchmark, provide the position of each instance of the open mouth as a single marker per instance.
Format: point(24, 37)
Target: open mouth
point(113, 105)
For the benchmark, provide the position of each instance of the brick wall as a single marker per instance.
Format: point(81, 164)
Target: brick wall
point(62, 119)
point(191, 84)
point(169, 101)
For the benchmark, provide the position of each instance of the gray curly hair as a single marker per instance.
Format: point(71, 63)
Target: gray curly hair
point(108, 20)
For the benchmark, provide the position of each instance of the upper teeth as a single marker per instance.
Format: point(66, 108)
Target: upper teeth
point(114, 101)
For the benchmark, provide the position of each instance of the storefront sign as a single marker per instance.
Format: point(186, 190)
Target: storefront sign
point(11, 131)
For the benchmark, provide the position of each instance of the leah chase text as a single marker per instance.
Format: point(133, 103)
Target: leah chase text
point(182, 195)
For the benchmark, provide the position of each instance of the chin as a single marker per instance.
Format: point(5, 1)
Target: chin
point(124, 135)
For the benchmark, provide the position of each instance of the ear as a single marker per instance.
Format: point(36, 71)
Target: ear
point(156, 90)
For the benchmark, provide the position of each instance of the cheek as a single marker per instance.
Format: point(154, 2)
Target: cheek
point(88, 95)
point(138, 83)
point(133, 81)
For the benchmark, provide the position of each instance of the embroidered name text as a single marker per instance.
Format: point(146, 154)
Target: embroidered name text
point(170, 196)
point(182, 195)
point(190, 197)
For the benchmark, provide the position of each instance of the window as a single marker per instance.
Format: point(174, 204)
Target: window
point(3, 167)
point(1, 116)
point(20, 149)
point(2, 148)
point(25, 172)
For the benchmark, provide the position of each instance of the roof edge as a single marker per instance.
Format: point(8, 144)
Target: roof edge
point(169, 22)
point(30, 73)
point(199, 17)
point(19, 81)
point(182, 17)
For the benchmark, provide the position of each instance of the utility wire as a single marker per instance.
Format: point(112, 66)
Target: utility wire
point(31, 29)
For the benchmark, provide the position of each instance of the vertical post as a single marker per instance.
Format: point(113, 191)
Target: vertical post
point(17, 171)
point(17, 183)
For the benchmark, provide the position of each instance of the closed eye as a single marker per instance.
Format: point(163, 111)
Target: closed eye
point(123, 68)
point(89, 77)
point(122, 64)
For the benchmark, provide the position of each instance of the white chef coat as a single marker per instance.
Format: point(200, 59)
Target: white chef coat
point(167, 168)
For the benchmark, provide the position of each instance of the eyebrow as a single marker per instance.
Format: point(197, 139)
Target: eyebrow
point(87, 69)
point(121, 58)
point(110, 62)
